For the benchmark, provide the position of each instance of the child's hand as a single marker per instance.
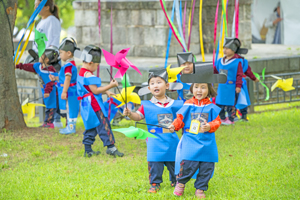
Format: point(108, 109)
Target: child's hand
point(205, 127)
point(172, 128)
point(256, 80)
point(64, 96)
point(126, 112)
point(51, 77)
point(46, 95)
point(237, 90)
point(109, 93)
point(114, 83)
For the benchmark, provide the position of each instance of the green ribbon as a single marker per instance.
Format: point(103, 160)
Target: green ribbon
point(125, 81)
point(261, 82)
point(40, 39)
point(137, 133)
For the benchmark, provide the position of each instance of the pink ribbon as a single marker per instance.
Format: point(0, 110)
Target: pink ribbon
point(183, 24)
point(237, 19)
point(189, 42)
point(111, 51)
point(99, 24)
point(215, 32)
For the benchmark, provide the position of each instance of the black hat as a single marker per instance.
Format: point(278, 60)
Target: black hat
point(86, 56)
point(185, 57)
point(234, 44)
point(52, 54)
point(68, 44)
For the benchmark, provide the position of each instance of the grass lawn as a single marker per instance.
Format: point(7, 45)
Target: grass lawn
point(257, 160)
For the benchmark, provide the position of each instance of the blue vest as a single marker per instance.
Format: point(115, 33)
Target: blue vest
point(72, 91)
point(113, 107)
point(185, 93)
point(50, 102)
point(244, 99)
point(226, 91)
point(162, 148)
point(200, 147)
point(89, 117)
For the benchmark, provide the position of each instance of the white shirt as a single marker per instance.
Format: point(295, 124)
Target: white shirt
point(51, 27)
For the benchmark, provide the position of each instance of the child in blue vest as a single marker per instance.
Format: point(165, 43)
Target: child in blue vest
point(232, 65)
point(67, 92)
point(160, 110)
point(197, 149)
point(185, 59)
point(43, 69)
point(93, 113)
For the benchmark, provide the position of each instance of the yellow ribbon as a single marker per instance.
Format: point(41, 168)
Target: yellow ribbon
point(17, 58)
point(200, 31)
point(190, 18)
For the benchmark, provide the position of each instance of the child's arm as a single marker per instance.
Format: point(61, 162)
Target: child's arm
point(250, 74)
point(48, 89)
point(27, 67)
point(66, 87)
point(211, 126)
point(177, 123)
point(239, 76)
point(133, 115)
point(102, 89)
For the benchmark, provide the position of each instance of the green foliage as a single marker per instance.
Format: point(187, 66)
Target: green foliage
point(257, 160)
point(26, 8)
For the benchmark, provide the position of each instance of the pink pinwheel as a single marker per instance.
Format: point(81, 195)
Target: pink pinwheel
point(120, 62)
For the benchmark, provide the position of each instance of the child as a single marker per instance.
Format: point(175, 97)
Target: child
point(197, 148)
point(160, 110)
point(43, 69)
point(68, 102)
point(92, 110)
point(186, 60)
point(231, 65)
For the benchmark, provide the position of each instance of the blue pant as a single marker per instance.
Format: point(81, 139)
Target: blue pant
point(103, 130)
point(188, 169)
point(156, 170)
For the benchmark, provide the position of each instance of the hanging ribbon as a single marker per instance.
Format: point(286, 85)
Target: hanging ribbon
point(215, 32)
point(172, 26)
point(224, 16)
point(237, 11)
point(222, 38)
point(111, 51)
point(261, 82)
point(99, 25)
point(169, 37)
point(29, 26)
point(200, 31)
point(183, 24)
point(219, 39)
point(178, 19)
point(191, 24)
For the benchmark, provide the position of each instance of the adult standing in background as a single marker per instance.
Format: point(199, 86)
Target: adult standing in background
point(51, 26)
point(273, 24)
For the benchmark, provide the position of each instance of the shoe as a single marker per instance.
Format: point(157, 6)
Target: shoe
point(226, 122)
point(90, 154)
point(236, 119)
point(200, 194)
point(114, 152)
point(58, 124)
point(245, 118)
point(179, 189)
point(154, 188)
point(173, 184)
point(47, 125)
point(71, 128)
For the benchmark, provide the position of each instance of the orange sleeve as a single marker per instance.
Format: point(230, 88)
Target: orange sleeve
point(178, 122)
point(214, 125)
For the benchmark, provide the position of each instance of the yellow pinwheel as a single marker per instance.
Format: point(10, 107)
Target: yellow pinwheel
point(173, 72)
point(284, 84)
point(128, 96)
point(29, 109)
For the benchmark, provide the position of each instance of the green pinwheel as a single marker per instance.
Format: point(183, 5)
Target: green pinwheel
point(133, 132)
point(40, 39)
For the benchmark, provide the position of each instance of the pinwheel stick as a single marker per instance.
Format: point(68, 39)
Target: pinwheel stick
point(117, 87)
point(151, 125)
point(125, 91)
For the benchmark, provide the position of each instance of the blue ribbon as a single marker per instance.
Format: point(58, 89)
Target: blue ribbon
point(170, 36)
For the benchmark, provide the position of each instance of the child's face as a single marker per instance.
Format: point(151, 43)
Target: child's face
point(65, 55)
point(43, 59)
point(90, 66)
point(200, 90)
point(158, 86)
point(189, 68)
point(228, 52)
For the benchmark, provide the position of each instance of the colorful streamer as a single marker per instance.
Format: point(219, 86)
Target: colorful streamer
point(179, 22)
point(215, 32)
point(169, 37)
point(191, 24)
point(237, 10)
point(224, 16)
point(99, 25)
point(184, 17)
point(172, 26)
point(200, 31)
point(261, 82)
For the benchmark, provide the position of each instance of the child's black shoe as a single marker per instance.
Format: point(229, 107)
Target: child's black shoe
point(114, 152)
point(173, 184)
point(91, 153)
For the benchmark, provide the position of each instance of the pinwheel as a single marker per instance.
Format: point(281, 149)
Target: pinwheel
point(128, 96)
point(40, 39)
point(284, 84)
point(120, 62)
point(133, 132)
point(173, 72)
point(29, 108)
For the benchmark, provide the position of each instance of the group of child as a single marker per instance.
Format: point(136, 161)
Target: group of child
point(195, 154)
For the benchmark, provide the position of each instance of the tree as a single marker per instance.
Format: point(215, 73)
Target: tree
point(11, 116)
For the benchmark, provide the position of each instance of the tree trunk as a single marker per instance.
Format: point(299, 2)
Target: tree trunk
point(11, 116)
